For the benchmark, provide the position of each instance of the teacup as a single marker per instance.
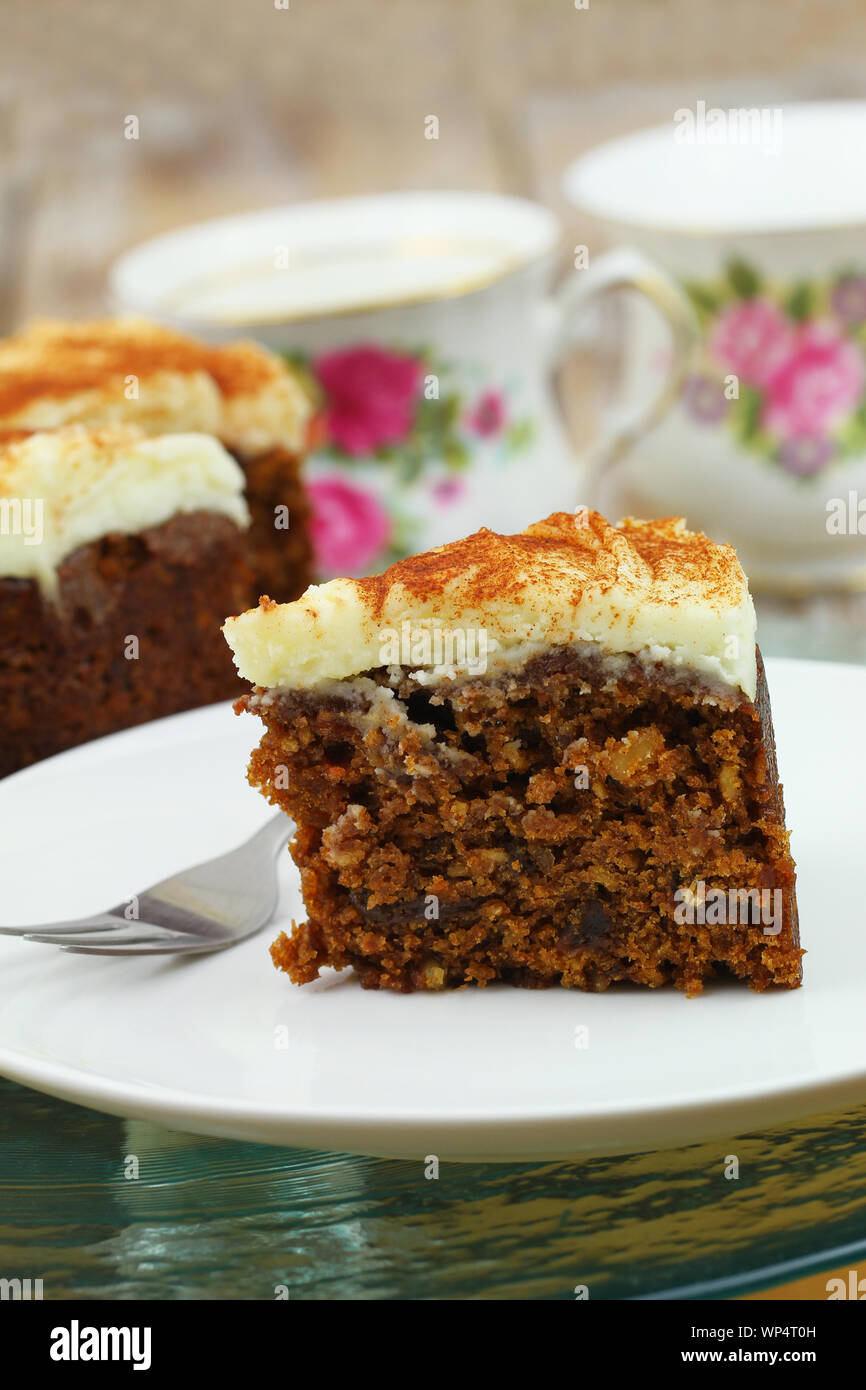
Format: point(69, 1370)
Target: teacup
point(760, 218)
point(427, 328)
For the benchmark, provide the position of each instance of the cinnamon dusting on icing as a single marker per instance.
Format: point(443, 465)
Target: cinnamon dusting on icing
point(650, 587)
point(55, 372)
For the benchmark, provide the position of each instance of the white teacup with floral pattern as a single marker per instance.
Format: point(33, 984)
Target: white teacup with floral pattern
point(425, 326)
point(760, 216)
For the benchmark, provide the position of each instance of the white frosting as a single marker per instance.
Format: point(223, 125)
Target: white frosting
point(67, 488)
point(648, 588)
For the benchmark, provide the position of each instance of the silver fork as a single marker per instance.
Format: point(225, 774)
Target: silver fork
point(205, 908)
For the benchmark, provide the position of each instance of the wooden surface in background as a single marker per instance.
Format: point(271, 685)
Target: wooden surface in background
point(243, 105)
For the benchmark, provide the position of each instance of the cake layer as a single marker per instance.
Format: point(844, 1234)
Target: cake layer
point(649, 588)
point(131, 634)
point(63, 489)
point(576, 820)
point(132, 371)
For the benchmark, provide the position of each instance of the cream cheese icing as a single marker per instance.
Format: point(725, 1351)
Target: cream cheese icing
point(652, 588)
point(63, 489)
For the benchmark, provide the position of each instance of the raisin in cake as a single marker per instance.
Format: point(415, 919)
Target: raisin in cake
point(119, 553)
point(543, 758)
point(131, 371)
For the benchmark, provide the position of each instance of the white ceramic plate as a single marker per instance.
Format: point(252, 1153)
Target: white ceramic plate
point(477, 1073)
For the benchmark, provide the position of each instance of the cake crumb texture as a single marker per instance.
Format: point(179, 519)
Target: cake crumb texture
point(131, 634)
point(536, 829)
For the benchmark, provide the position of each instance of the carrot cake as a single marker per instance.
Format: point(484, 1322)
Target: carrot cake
point(119, 555)
point(130, 371)
point(543, 758)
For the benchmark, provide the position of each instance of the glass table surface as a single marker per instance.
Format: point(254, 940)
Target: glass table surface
point(98, 1207)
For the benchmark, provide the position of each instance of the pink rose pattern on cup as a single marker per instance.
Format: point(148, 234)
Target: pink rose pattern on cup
point(370, 397)
point(394, 432)
point(784, 367)
point(348, 526)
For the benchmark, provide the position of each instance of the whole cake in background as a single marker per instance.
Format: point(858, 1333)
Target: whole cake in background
point(113, 582)
point(149, 483)
point(543, 758)
point(134, 372)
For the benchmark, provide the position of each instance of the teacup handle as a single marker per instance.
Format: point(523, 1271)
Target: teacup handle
point(627, 269)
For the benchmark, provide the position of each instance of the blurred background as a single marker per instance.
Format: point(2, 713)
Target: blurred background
point(247, 105)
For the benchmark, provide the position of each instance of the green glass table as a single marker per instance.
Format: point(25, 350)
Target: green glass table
point(209, 1219)
point(98, 1207)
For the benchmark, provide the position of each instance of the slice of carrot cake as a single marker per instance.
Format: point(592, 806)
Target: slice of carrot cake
point(543, 758)
point(130, 371)
point(119, 553)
